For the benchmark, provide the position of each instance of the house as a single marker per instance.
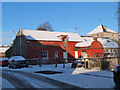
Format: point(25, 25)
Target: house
point(108, 47)
point(44, 44)
point(32, 44)
point(103, 31)
point(105, 47)
point(3, 48)
point(48, 45)
point(89, 48)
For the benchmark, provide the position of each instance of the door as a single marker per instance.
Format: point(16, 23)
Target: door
point(76, 54)
point(65, 56)
point(85, 56)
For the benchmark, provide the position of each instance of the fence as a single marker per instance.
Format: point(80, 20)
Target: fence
point(89, 63)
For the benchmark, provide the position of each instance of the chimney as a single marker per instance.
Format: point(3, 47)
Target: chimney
point(95, 39)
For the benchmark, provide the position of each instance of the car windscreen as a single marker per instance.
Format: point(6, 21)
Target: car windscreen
point(17, 58)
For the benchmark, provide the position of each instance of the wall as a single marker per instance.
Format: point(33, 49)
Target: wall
point(107, 35)
point(19, 46)
point(51, 46)
point(95, 47)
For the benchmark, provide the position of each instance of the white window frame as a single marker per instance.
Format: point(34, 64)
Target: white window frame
point(113, 35)
point(56, 52)
point(45, 54)
point(65, 55)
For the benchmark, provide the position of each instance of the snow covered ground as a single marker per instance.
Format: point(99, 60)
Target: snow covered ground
point(75, 76)
point(6, 84)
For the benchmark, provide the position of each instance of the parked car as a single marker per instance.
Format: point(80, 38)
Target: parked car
point(116, 76)
point(17, 62)
point(77, 63)
point(4, 61)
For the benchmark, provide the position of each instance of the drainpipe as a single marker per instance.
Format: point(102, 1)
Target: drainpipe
point(20, 42)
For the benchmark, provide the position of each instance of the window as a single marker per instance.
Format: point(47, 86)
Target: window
point(113, 35)
point(106, 50)
point(56, 54)
point(111, 50)
point(63, 39)
point(108, 41)
point(45, 54)
point(100, 34)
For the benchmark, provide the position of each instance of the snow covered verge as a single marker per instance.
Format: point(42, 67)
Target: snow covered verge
point(75, 76)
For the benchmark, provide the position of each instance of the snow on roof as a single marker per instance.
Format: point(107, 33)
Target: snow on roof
point(16, 58)
point(50, 36)
point(85, 43)
point(3, 49)
point(101, 28)
point(107, 43)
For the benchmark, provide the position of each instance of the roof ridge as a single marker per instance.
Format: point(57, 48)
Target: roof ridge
point(102, 26)
point(48, 31)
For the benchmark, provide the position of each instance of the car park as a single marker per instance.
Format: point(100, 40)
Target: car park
point(17, 62)
point(116, 76)
point(4, 61)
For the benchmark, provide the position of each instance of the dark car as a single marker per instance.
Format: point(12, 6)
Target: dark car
point(116, 76)
point(77, 63)
point(17, 62)
point(4, 61)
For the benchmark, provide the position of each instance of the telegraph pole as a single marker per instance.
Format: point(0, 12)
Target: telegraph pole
point(100, 20)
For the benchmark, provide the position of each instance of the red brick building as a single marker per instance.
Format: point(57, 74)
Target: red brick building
point(33, 44)
point(89, 49)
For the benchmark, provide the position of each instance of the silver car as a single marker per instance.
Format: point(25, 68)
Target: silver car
point(17, 62)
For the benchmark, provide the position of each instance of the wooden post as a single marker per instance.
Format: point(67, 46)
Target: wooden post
point(89, 64)
point(85, 63)
point(100, 63)
point(63, 63)
point(39, 62)
point(55, 62)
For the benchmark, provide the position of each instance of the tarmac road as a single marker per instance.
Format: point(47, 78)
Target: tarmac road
point(30, 80)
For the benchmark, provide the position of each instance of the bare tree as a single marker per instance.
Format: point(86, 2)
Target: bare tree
point(45, 27)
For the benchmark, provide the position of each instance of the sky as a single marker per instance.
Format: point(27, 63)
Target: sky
point(63, 16)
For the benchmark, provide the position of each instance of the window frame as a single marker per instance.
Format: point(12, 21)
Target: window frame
point(44, 54)
point(55, 52)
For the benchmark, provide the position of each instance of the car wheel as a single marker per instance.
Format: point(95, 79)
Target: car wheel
point(117, 81)
point(26, 66)
point(9, 66)
point(14, 67)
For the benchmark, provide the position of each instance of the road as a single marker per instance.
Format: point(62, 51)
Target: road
point(21, 79)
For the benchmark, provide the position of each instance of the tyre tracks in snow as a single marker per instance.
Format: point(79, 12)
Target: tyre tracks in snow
point(16, 81)
point(43, 81)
